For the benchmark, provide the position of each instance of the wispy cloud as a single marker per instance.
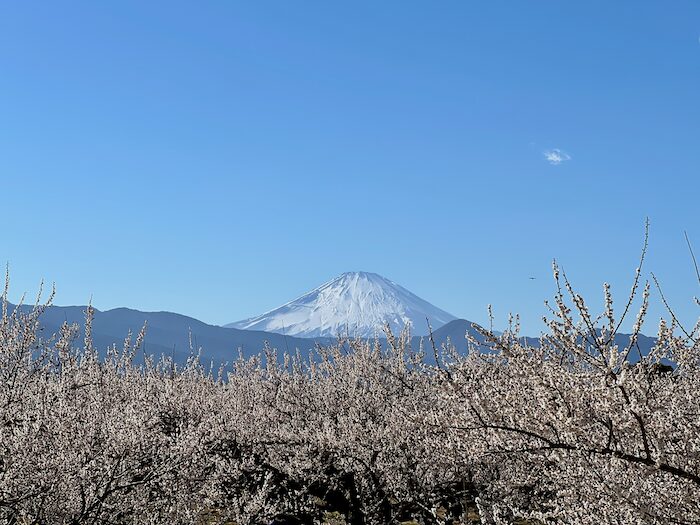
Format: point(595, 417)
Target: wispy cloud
point(556, 156)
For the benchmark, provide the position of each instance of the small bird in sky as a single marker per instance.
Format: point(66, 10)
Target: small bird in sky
point(533, 278)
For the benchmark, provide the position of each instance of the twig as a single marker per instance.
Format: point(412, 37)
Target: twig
point(695, 262)
point(635, 285)
point(670, 311)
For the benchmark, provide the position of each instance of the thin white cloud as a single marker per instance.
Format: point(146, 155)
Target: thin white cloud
point(556, 156)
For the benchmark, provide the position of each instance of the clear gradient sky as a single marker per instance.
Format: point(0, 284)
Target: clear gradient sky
point(220, 158)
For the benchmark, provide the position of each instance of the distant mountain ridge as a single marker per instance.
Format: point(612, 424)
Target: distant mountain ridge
point(169, 334)
point(455, 332)
point(356, 303)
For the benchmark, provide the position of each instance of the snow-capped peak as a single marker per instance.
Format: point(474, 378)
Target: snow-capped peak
point(357, 303)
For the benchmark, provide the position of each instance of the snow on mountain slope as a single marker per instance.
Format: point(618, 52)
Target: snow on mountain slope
point(360, 303)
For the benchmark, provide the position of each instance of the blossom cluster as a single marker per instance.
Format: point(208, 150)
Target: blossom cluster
point(576, 429)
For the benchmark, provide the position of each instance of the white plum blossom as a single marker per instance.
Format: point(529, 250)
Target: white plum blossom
point(572, 430)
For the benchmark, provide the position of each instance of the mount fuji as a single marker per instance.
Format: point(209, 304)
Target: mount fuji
point(359, 304)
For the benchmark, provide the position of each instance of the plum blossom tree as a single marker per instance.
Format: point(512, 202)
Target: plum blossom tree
point(575, 429)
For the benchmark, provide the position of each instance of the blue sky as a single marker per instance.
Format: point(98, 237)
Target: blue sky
point(220, 158)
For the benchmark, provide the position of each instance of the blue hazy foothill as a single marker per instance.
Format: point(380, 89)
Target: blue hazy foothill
point(364, 300)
